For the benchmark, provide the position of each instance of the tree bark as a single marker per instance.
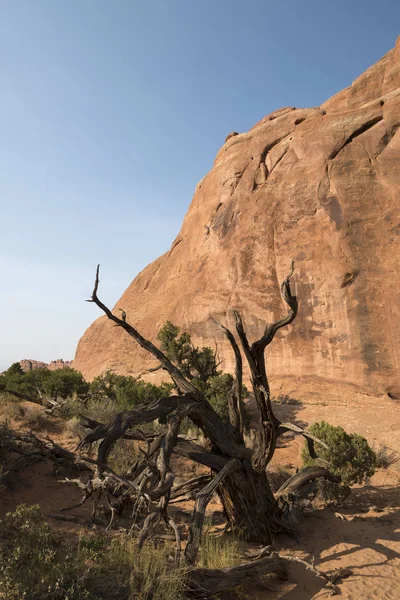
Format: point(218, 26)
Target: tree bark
point(248, 502)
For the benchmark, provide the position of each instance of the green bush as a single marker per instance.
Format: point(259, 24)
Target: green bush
point(37, 564)
point(60, 383)
point(200, 366)
point(349, 456)
point(34, 563)
point(63, 383)
point(127, 392)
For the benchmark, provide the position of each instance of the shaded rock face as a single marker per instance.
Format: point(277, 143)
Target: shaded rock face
point(318, 185)
point(29, 365)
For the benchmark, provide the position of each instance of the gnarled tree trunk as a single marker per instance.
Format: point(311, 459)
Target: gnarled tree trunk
point(248, 501)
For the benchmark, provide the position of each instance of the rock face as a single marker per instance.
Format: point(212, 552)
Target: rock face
point(29, 365)
point(319, 185)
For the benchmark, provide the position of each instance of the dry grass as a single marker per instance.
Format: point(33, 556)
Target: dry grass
point(35, 418)
point(42, 565)
point(217, 552)
point(123, 455)
point(30, 415)
point(385, 457)
point(10, 411)
point(150, 573)
point(37, 563)
point(73, 428)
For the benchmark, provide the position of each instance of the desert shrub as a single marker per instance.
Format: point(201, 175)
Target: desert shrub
point(122, 456)
point(70, 409)
point(127, 392)
point(100, 409)
point(349, 456)
point(11, 410)
point(63, 383)
point(73, 428)
point(103, 410)
point(35, 418)
point(385, 457)
point(120, 571)
point(37, 564)
point(37, 383)
point(34, 563)
point(200, 366)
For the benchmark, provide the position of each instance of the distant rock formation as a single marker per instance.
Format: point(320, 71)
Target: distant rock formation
point(29, 365)
point(319, 185)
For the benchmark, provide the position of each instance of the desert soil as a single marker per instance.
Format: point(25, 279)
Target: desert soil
point(363, 535)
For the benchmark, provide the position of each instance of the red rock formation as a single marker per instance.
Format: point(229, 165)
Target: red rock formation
point(319, 185)
point(29, 365)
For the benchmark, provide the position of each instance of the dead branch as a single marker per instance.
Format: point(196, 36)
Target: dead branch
point(166, 478)
point(202, 499)
point(180, 381)
point(236, 416)
point(205, 583)
point(53, 405)
point(292, 487)
point(291, 301)
point(330, 579)
point(184, 447)
point(266, 436)
point(188, 489)
point(22, 396)
point(310, 439)
point(200, 413)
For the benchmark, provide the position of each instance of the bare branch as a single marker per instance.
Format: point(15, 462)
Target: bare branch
point(236, 416)
point(200, 455)
point(291, 301)
point(243, 340)
point(202, 499)
point(22, 396)
point(180, 381)
point(188, 490)
point(206, 583)
point(310, 439)
point(299, 480)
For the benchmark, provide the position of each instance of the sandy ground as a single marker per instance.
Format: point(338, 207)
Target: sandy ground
point(365, 537)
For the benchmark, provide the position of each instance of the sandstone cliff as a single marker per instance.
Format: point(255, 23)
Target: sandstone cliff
point(29, 365)
point(319, 185)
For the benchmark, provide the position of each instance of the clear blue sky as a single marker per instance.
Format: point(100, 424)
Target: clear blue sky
point(112, 111)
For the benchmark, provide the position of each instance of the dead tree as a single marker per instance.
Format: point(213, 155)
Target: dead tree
point(242, 483)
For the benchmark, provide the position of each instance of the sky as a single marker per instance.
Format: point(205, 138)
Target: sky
point(110, 114)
